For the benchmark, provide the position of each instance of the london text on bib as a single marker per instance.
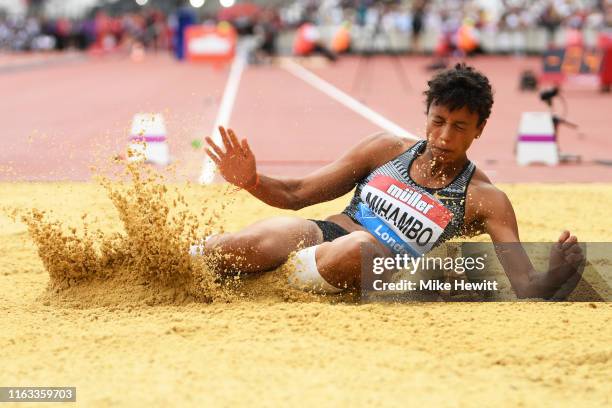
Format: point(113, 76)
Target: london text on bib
point(405, 219)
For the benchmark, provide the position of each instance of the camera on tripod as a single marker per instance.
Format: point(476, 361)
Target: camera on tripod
point(548, 95)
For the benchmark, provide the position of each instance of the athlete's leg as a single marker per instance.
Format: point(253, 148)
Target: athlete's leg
point(264, 245)
point(339, 262)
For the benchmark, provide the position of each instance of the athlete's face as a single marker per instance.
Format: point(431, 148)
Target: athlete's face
point(450, 133)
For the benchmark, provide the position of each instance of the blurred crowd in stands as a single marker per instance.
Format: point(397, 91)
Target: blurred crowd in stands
point(24, 33)
point(410, 18)
point(467, 25)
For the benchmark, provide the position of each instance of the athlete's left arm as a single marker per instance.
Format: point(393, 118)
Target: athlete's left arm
point(566, 257)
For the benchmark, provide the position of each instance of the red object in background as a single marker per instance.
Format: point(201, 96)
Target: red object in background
point(204, 43)
point(108, 30)
point(238, 11)
point(305, 39)
point(604, 42)
point(443, 46)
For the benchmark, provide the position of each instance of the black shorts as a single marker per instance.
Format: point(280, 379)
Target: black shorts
point(330, 230)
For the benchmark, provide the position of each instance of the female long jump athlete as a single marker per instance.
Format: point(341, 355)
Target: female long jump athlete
point(421, 193)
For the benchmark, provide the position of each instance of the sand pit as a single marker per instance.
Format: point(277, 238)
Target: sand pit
point(126, 333)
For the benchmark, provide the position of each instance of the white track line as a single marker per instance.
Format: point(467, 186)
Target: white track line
point(225, 110)
point(345, 99)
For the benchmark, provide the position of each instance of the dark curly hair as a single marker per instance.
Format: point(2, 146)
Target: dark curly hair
point(461, 86)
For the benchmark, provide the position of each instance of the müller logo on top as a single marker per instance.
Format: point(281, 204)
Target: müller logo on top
point(410, 197)
point(415, 216)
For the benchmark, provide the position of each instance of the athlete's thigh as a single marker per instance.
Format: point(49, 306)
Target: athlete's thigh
point(284, 234)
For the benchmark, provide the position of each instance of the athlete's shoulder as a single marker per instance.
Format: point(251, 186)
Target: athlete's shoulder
point(385, 144)
point(394, 140)
point(480, 179)
point(376, 149)
point(485, 196)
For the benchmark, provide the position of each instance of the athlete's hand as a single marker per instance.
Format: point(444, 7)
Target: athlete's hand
point(566, 265)
point(566, 253)
point(237, 163)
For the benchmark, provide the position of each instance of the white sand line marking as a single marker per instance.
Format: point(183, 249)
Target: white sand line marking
point(225, 109)
point(345, 99)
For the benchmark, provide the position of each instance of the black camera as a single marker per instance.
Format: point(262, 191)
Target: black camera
point(547, 95)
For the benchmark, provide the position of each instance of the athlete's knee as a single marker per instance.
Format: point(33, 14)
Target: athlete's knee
point(332, 266)
point(304, 272)
point(352, 247)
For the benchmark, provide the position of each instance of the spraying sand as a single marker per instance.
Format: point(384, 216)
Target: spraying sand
point(114, 307)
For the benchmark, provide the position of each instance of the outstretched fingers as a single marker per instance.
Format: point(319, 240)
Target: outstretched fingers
point(226, 140)
point(215, 148)
point(233, 139)
point(246, 148)
point(233, 146)
point(213, 157)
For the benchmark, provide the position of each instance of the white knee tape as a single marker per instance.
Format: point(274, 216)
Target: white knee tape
point(305, 274)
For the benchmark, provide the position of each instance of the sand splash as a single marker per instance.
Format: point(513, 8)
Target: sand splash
point(149, 262)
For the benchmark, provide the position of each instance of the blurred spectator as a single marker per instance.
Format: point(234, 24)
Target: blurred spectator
point(418, 23)
point(266, 30)
point(551, 20)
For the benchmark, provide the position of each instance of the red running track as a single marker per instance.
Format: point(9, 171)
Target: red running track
point(59, 120)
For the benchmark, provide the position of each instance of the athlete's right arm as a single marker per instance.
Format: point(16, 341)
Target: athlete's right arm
point(237, 165)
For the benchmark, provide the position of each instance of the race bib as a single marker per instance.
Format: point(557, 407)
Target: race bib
point(404, 219)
